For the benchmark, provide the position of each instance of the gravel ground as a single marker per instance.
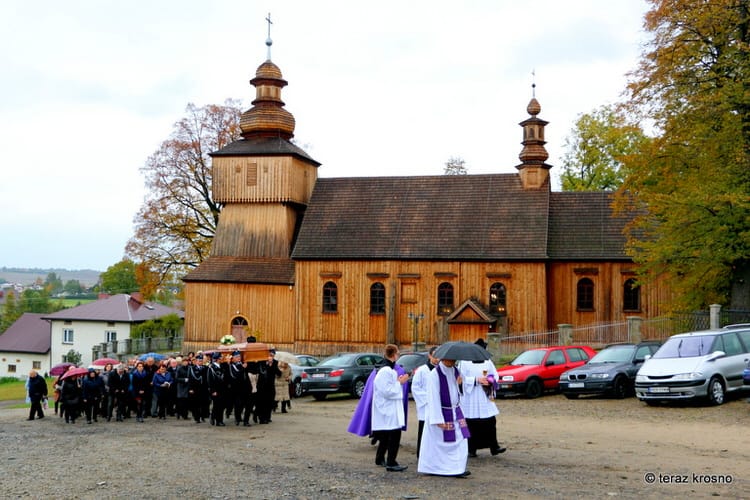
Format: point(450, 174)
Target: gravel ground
point(557, 448)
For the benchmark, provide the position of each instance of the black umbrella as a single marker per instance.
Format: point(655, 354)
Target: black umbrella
point(462, 351)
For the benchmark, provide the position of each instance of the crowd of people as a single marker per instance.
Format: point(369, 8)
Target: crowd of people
point(213, 387)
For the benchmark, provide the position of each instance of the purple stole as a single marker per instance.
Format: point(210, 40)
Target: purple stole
point(449, 435)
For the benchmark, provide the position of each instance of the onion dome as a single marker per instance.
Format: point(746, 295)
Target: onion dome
point(267, 117)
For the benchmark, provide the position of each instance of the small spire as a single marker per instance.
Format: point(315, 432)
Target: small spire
point(533, 83)
point(269, 42)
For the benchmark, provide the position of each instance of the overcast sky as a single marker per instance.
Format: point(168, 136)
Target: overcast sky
point(91, 88)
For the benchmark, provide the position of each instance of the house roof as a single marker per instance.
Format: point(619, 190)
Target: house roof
point(583, 226)
point(30, 333)
point(447, 217)
point(121, 308)
point(244, 270)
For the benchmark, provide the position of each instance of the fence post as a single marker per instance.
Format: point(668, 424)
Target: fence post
point(634, 329)
point(95, 352)
point(714, 314)
point(565, 334)
point(146, 344)
point(126, 346)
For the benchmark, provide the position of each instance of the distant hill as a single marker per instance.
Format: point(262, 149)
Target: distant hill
point(87, 277)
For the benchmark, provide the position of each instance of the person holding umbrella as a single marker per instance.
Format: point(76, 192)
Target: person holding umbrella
point(70, 393)
point(444, 446)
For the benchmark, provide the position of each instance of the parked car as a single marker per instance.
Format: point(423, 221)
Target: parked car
point(611, 371)
point(343, 372)
point(537, 370)
point(410, 361)
point(704, 364)
point(304, 360)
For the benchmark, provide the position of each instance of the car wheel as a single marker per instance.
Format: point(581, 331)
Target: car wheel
point(320, 396)
point(570, 395)
point(715, 391)
point(298, 391)
point(533, 388)
point(358, 387)
point(620, 387)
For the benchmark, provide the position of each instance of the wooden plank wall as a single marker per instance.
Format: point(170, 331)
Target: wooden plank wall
point(255, 230)
point(265, 179)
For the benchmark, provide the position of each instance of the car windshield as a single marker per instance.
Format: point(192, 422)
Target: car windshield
point(685, 347)
point(338, 360)
point(617, 354)
point(529, 358)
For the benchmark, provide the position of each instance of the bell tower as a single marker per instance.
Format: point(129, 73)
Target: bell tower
point(533, 170)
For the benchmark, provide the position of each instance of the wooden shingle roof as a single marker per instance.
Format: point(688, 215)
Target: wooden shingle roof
point(583, 226)
point(244, 270)
point(447, 217)
point(264, 146)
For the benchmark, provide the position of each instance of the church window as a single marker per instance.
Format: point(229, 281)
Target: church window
point(631, 296)
point(330, 297)
point(377, 298)
point(445, 298)
point(585, 295)
point(497, 299)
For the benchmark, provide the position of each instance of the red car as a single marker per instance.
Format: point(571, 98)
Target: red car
point(538, 370)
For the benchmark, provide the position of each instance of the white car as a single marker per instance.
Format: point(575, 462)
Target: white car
point(704, 364)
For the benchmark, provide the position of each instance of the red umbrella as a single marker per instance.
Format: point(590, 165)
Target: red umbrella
point(60, 368)
point(74, 372)
point(105, 361)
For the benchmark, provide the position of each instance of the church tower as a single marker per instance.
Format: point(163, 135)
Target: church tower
point(264, 183)
point(533, 169)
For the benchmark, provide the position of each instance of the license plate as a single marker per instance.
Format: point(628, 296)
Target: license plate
point(318, 375)
point(506, 386)
point(575, 385)
point(658, 389)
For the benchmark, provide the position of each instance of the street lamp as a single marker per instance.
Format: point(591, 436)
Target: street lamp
point(415, 320)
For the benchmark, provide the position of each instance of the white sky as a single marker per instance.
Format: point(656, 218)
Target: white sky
point(89, 89)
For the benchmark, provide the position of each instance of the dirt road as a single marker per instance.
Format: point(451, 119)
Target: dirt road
point(587, 448)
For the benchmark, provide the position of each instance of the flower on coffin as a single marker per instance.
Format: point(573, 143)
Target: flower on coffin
point(227, 340)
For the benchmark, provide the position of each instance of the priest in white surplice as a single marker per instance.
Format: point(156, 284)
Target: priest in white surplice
point(444, 447)
point(478, 404)
point(388, 415)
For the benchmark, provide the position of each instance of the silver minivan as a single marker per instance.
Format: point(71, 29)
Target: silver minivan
point(704, 364)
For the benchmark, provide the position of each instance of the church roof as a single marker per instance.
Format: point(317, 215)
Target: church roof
point(466, 217)
point(583, 226)
point(244, 270)
point(263, 146)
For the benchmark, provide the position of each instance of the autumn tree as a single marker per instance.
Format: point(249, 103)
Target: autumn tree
point(455, 166)
point(692, 182)
point(175, 225)
point(596, 149)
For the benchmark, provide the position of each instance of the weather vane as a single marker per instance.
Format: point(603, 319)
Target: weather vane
point(269, 42)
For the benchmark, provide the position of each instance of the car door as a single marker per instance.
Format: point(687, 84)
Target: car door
point(731, 365)
point(553, 366)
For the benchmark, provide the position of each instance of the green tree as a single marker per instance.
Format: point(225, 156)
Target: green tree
point(30, 300)
point(53, 284)
point(120, 278)
point(175, 225)
point(73, 287)
point(455, 166)
point(166, 326)
point(691, 184)
point(596, 149)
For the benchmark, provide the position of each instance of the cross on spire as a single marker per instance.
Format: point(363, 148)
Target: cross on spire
point(269, 42)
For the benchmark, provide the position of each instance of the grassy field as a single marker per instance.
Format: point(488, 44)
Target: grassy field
point(15, 390)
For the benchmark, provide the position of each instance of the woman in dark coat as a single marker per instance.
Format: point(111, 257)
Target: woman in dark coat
point(266, 396)
point(141, 389)
point(92, 390)
point(37, 391)
point(182, 383)
point(70, 393)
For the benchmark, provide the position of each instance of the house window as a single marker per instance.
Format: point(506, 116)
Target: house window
point(585, 295)
point(330, 297)
point(67, 336)
point(36, 365)
point(110, 336)
point(11, 368)
point(377, 298)
point(445, 298)
point(631, 296)
point(497, 299)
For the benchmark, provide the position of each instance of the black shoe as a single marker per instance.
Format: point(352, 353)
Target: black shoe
point(380, 463)
point(40, 416)
point(473, 454)
point(463, 474)
point(396, 468)
point(88, 421)
point(237, 422)
point(246, 424)
point(213, 422)
point(30, 418)
point(498, 451)
point(220, 424)
point(374, 441)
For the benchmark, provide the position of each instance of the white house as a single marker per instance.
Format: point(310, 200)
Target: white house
point(105, 320)
point(24, 346)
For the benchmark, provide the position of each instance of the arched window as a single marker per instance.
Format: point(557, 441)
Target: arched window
point(239, 324)
point(631, 296)
point(330, 297)
point(445, 299)
point(497, 299)
point(377, 298)
point(585, 295)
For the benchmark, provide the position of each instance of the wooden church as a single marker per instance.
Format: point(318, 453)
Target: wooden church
point(320, 265)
